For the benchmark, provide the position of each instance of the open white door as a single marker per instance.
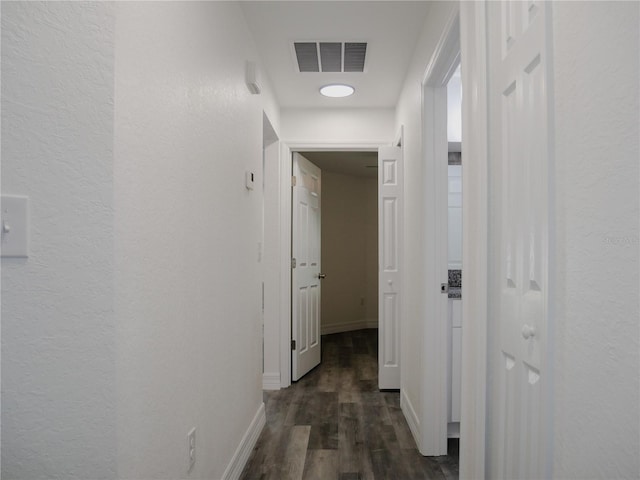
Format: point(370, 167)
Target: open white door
point(390, 177)
point(305, 276)
point(519, 149)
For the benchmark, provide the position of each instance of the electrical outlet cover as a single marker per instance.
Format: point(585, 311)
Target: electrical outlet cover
point(191, 448)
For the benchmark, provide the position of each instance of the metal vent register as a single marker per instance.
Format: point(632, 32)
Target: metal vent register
point(330, 56)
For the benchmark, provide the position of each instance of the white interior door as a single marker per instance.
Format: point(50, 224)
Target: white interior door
point(519, 149)
point(306, 276)
point(390, 260)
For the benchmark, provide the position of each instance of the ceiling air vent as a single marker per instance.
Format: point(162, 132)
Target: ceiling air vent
point(354, 54)
point(330, 56)
point(307, 55)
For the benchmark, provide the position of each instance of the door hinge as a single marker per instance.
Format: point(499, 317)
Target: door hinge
point(293, 344)
point(293, 180)
point(293, 263)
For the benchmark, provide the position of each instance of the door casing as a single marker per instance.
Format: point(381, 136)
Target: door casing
point(285, 235)
point(445, 60)
point(475, 221)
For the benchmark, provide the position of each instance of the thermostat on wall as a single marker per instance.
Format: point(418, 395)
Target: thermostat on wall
point(14, 226)
point(249, 180)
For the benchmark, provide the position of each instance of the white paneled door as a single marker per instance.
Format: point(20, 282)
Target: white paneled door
point(306, 275)
point(520, 156)
point(389, 265)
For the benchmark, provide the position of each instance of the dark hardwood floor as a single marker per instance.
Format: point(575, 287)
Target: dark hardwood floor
point(335, 424)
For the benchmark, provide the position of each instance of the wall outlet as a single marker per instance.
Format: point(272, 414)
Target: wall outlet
point(191, 446)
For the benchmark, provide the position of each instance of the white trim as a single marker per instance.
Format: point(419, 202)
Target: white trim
point(285, 235)
point(446, 57)
point(548, 400)
point(399, 138)
point(410, 415)
point(249, 439)
point(271, 381)
point(329, 146)
point(327, 329)
point(475, 221)
point(285, 265)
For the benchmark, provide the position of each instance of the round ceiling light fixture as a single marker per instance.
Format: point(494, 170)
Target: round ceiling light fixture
point(337, 90)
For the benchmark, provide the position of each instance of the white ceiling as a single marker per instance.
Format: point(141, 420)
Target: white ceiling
point(391, 29)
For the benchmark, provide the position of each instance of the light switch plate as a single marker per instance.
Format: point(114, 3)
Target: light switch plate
point(14, 226)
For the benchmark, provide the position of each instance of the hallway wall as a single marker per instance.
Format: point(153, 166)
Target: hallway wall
point(349, 253)
point(58, 321)
point(137, 315)
point(597, 95)
point(188, 293)
point(409, 114)
point(338, 125)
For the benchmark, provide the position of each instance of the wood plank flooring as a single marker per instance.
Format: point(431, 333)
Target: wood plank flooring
point(335, 424)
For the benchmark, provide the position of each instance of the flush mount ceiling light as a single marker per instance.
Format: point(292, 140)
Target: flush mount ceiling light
point(337, 90)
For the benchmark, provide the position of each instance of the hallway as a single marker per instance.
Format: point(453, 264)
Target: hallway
point(335, 423)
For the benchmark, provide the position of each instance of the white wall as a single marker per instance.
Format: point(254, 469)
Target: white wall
point(137, 314)
point(455, 217)
point(349, 237)
point(597, 321)
point(58, 323)
point(271, 265)
point(187, 231)
point(454, 108)
point(338, 125)
point(408, 113)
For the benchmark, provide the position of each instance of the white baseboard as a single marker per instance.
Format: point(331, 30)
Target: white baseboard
point(271, 381)
point(327, 329)
point(249, 439)
point(410, 416)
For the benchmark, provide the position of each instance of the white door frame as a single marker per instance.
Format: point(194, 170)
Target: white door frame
point(446, 57)
point(285, 236)
point(475, 220)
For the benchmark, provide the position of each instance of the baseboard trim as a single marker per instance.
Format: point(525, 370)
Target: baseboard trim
point(411, 417)
point(271, 381)
point(348, 327)
point(249, 439)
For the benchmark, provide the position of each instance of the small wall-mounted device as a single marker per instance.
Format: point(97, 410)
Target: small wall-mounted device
point(252, 78)
point(14, 226)
point(249, 180)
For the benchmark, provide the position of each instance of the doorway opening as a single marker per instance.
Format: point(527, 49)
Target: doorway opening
point(349, 239)
point(454, 259)
point(347, 236)
point(390, 241)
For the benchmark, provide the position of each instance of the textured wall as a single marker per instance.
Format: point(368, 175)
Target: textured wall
point(187, 232)
point(338, 125)
point(597, 326)
point(58, 326)
point(349, 234)
point(137, 314)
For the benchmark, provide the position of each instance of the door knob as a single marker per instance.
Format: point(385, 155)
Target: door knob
point(528, 332)
point(321, 276)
